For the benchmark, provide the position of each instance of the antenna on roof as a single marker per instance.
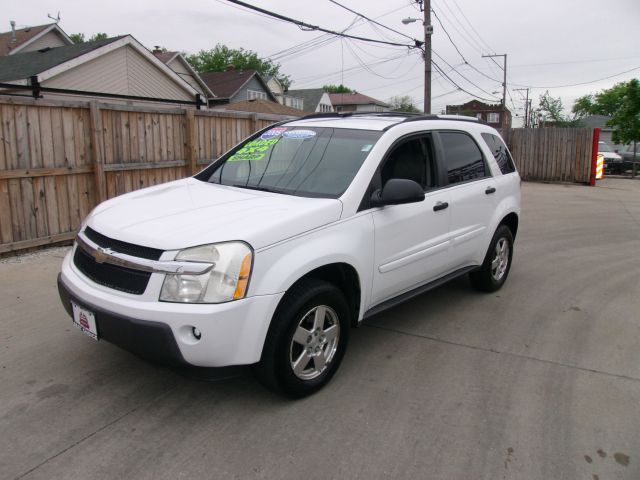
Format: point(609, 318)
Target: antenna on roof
point(56, 19)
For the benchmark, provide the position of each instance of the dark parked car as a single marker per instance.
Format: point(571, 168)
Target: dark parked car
point(612, 161)
point(627, 159)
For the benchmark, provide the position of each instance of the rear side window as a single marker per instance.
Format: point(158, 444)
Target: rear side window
point(500, 153)
point(462, 156)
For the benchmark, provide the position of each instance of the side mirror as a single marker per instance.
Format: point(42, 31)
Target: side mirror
point(397, 191)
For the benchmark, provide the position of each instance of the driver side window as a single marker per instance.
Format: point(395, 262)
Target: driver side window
point(412, 159)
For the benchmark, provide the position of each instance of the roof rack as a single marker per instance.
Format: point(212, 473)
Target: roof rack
point(454, 118)
point(352, 114)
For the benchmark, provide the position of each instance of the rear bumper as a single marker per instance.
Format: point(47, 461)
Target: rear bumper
point(233, 333)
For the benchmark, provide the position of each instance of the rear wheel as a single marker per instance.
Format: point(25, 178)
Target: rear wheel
point(497, 262)
point(306, 341)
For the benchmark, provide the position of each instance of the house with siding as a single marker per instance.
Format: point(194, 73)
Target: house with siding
point(30, 39)
point(357, 102)
point(176, 62)
point(314, 100)
point(118, 66)
point(235, 85)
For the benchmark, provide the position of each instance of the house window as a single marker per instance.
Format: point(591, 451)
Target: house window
point(324, 108)
point(294, 102)
point(479, 116)
point(493, 117)
point(252, 94)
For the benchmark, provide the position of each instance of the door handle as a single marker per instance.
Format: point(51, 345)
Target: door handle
point(490, 190)
point(440, 206)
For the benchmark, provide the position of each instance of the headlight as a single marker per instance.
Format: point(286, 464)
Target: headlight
point(227, 280)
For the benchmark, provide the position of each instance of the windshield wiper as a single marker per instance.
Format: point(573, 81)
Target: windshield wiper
point(262, 189)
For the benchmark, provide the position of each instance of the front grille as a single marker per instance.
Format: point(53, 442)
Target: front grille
point(123, 247)
point(114, 276)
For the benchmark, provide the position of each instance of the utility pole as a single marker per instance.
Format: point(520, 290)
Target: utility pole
point(425, 6)
point(526, 107)
point(504, 81)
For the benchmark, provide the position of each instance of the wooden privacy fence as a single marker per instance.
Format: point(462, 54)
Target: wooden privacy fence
point(58, 159)
point(551, 154)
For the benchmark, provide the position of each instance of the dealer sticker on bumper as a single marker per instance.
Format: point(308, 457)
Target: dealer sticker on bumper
point(85, 321)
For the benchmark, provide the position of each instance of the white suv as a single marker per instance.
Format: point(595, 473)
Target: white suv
point(269, 255)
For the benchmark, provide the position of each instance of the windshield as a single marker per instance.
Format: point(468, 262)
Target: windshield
point(603, 147)
point(305, 161)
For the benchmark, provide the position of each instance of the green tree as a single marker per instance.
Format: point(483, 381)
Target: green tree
point(221, 56)
point(337, 89)
point(551, 110)
point(620, 102)
point(79, 37)
point(402, 104)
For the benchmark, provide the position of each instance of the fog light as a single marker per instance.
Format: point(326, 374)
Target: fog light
point(196, 333)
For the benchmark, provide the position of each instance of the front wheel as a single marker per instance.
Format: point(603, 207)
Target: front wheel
point(497, 262)
point(306, 341)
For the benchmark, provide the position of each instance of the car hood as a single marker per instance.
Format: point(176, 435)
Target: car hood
point(190, 212)
point(610, 155)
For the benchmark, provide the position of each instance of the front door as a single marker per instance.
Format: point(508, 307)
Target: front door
point(412, 242)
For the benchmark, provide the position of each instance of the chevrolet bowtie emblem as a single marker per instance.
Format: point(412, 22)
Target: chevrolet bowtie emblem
point(101, 255)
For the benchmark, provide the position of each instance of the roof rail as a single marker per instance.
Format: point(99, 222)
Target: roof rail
point(455, 118)
point(352, 114)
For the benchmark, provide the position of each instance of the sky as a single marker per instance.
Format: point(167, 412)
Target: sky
point(568, 47)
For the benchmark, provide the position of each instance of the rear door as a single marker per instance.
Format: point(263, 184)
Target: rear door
point(472, 191)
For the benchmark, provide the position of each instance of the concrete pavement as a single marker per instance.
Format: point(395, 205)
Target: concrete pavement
point(538, 381)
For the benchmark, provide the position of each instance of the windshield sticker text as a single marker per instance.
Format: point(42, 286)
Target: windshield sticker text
point(299, 134)
point(254, 150)
point(273, 133)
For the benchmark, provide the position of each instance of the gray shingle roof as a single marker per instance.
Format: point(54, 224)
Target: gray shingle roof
point(23, 65)
point(310, 96)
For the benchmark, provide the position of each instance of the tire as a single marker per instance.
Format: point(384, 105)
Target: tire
point(307, 339)
point(497, 262)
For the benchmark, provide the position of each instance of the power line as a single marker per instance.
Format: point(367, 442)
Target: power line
point(453, 69)
point(458, 50)
point(578, 84)
point(366, 67)
point(456, 85)
point(313, 78)
point(372, 20)
point(306, 26)
point(472, 27)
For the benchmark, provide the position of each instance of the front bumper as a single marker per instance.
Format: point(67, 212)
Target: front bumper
point(233, 333)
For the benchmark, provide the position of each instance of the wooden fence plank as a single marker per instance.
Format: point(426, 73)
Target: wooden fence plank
point(17, 213)
point(3, 156)
point(97, 152)
point(191, 137)
point(35, 142)
point(9, 136)
point(6, 232)
point(40, 207)
point(22, 136)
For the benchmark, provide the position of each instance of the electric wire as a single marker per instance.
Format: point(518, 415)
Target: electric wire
point(306, 26)
point(372, 20)
point(482, 41)
point(447, 77)
point(578, 84)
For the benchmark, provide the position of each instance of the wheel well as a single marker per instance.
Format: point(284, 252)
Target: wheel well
point(345, 277)
point(511, 221)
